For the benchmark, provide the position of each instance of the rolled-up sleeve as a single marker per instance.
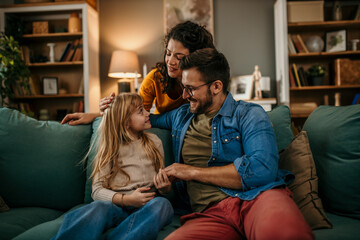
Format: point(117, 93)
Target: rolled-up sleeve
point(258, 166)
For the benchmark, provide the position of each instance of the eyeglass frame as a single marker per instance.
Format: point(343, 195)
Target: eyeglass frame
point(190, 90)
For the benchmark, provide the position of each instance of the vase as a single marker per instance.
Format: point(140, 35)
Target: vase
point(74, 23)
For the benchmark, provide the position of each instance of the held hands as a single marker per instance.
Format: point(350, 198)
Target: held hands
point(177, 171)
point(162, 182)
point(104, 103)
point(139, 197)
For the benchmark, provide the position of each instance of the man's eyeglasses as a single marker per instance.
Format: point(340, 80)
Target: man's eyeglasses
point(189, 90)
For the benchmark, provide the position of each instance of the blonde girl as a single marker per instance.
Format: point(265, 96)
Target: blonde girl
point(126, 174)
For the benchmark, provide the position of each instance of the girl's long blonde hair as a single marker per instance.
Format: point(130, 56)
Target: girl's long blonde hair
point(113, 133)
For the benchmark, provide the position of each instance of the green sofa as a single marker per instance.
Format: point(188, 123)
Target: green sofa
point(41, 178)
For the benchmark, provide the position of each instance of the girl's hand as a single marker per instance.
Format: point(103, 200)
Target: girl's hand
point(162, 183)
point(104, 103)
point(139, 197)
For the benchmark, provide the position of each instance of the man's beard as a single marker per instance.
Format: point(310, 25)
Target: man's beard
point(201, 108)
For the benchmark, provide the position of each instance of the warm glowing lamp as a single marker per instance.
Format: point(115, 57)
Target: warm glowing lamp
point(124, 65)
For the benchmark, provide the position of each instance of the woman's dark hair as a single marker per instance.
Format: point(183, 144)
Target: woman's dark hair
point(193, 37)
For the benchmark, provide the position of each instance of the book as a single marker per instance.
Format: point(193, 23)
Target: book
point(302, 77)
point(78, 55)
point(296, 75)
point(356, 99)
point(302, 43)
point(66, 49)
point(71, 51)
point(347, 72)
point(297, 44)
point(292, 49)
point(292, 79)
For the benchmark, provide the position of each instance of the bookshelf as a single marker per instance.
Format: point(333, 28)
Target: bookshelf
point(78, 79)
point(328, 93)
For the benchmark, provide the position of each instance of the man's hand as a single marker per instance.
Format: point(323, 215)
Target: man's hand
point(139, 197)
point(178, 171)
point(104, 103)
point(162, 183)
point(79, 118)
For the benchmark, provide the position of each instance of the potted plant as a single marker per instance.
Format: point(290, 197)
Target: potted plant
point(316, 74)
point(13, 70)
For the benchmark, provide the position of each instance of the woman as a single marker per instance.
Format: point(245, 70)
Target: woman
point(161, 86)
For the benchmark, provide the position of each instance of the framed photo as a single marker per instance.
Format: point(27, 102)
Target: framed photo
point(50, 85)
point(198, 11)
point(242, 87)
point(336, 41)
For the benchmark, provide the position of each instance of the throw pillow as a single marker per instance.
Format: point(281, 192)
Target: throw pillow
point(335, 143)
point(298, 159)
point(3, 206)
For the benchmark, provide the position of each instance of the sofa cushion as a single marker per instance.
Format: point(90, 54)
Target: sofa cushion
point(344, 228)
point(45, 230)
point(298, 159)
point(281, 122)
point(334, 136)
point(163, 134)
point(18, 220)
point(39, 161)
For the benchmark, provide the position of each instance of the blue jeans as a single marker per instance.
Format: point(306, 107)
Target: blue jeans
point(92, 220)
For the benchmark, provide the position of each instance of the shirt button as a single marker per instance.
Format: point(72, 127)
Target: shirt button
point(226, 140)
point(237, 137)
point(236, 195)
point(215, 141)
point(214, 159)
point(214, 127)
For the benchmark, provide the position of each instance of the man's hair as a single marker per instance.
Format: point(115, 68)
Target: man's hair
point(210, 63)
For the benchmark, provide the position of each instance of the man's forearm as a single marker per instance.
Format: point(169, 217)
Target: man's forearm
point(224, 176)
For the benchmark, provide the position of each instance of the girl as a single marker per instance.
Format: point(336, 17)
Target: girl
point(126, 173)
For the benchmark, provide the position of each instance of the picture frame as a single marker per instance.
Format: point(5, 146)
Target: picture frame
point(176, 11)
point(50, 85)
point(242, 87)
point(336, 41)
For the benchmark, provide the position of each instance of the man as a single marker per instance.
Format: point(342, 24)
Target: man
point(226, 161)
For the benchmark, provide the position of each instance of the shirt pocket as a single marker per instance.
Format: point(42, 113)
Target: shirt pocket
point(231, 145)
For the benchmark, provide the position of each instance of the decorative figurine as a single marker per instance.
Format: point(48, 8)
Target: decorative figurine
point(256, 79)
point(52, 53)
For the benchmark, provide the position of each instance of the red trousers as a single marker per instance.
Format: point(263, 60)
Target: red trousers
point(271, 215)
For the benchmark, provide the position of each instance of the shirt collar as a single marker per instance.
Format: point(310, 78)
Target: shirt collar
point(228, 106)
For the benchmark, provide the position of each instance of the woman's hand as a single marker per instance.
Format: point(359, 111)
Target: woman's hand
point(162, 182)
point(79, 118)
point(104, 103)
point(138, 198)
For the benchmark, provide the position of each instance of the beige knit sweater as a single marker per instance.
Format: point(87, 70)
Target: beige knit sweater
point(136, 164)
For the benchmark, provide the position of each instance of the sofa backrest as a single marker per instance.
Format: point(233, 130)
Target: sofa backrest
point(39, 161)
point(334, 136)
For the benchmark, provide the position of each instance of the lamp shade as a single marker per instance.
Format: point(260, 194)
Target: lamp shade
point(124, 64)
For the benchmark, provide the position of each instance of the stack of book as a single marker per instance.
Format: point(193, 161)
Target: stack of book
point(297, 76)
point(73, 51)
point(296, 44)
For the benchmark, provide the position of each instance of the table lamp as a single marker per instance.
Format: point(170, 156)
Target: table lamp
point(124, 65)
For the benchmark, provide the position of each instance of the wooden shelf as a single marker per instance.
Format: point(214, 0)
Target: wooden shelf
point(323, 87)
point(47, 64)
point(48, 4)
point(324, 25)
point(69, 95)
point(51, 35)
point(324, 54)
point(299, 115)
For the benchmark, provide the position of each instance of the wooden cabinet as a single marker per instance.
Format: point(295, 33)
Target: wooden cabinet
point(78, 79)
point(302, 100)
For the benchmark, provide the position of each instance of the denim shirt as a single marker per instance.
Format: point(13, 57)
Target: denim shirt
point(242, 134)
